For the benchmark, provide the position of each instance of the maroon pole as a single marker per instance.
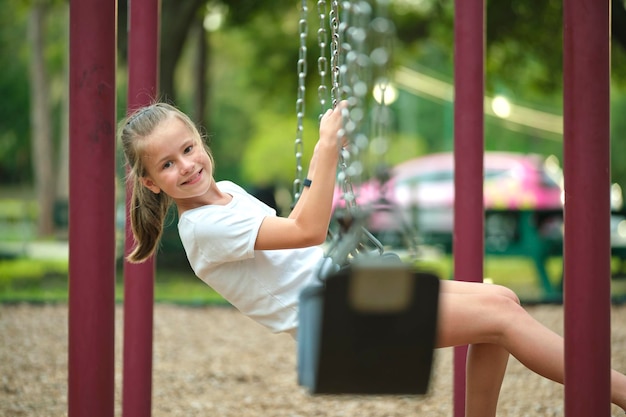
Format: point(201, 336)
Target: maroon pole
point(92, 209)
point(587, 208)
point(139, 278)
point(468, 243)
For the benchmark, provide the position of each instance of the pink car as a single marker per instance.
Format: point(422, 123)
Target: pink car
point(420, 192)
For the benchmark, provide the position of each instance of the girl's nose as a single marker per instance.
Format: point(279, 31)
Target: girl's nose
point(186, 166)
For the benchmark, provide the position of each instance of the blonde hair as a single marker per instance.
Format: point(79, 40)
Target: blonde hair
point(147, 209)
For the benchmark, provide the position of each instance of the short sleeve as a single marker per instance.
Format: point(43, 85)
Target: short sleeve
point(215, 234)
point(221, 235)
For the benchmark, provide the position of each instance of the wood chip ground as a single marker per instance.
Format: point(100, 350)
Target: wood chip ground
point(212, 361)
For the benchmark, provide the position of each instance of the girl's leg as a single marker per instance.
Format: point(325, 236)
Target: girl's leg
point(485, 314)
point(486, 363)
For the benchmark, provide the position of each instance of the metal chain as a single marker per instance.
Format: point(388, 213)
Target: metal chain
point(360, 50)
point(322, 60)
point(368, 44)
point(366, 51)
point(357, 63)
point(300, 101)
point(335, 52)
point(383, 35)
point(338, 27)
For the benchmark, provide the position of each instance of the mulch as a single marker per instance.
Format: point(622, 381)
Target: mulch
point(212, 361)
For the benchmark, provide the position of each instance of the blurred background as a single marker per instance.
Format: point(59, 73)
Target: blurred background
point(231, 65)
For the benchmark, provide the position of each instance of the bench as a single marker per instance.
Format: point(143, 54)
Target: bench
point(536, 234)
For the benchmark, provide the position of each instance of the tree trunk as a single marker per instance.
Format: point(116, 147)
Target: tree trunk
point(63, 170)
point(618, 22)
point(176, 21)
point(200, 72)
point(41, 141)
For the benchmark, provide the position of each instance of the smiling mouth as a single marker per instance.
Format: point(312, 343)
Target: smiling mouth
point(194, 178)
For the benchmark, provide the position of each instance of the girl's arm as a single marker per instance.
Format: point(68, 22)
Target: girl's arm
point(307, 224)
point(304, 193)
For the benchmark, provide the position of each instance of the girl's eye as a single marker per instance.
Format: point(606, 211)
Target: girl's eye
point(188, 149)
point(167, 165)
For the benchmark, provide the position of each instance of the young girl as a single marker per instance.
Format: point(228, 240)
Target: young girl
point(260, 262)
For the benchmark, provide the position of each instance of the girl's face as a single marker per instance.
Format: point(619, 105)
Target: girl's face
point(176, 163)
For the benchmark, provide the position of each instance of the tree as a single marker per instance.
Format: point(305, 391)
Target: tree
point(517, 51)
point(178, 18)
point(15, 164)
point(41, 132)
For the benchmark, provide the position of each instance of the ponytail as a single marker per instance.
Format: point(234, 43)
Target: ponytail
point(147, 218)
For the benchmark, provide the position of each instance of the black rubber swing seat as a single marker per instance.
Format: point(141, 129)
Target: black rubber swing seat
point(368, 329)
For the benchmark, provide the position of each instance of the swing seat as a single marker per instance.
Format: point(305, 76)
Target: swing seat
point(368, 328)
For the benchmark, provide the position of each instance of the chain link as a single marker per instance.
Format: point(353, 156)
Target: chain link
point(335, 52)
point(383, 35)
point(360, 57)
point(303, 31)
point(322, 60)
point(357, 15)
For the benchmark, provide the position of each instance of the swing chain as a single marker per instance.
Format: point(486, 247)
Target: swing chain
point(356, 68)
point(337, 29)
point(322, 60)
point(300, 101)
point(383, 34)
point(335, 52)
point(351, 68)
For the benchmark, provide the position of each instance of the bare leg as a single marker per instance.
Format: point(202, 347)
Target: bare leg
point(485, 314)
point(486, 363)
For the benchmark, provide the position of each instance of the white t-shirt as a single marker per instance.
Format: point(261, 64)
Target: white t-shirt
point(264, 285)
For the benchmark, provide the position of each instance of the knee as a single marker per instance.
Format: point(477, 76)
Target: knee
point(504, 302)
point(505, 307)
point(507, 293)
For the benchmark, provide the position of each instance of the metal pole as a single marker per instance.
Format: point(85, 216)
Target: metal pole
point(143, 58)
point(468, 239)
point(92, 209)
point(587, 208)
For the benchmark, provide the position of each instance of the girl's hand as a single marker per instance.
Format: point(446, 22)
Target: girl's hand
point(331, 127)
point(307, 224)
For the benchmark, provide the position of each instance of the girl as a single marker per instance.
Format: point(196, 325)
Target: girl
point(260, 262)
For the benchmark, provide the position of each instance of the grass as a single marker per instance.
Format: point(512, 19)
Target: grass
point(178, 287)
point(45, 281)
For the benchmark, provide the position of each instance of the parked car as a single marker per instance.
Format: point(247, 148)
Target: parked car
point(419, 195)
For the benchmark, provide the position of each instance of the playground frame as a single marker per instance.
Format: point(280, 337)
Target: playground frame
point(92, 201)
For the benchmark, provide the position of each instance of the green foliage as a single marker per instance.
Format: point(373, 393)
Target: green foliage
point(228, 135)
point(35, 280)
point(269, 157)
point(14, 107)
point(28, 269)
point(403, 147)
point(519, 53)
point(252, 68)
point(618, 140)
point(42, 280)
point(15, 146)
point(25, 279)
